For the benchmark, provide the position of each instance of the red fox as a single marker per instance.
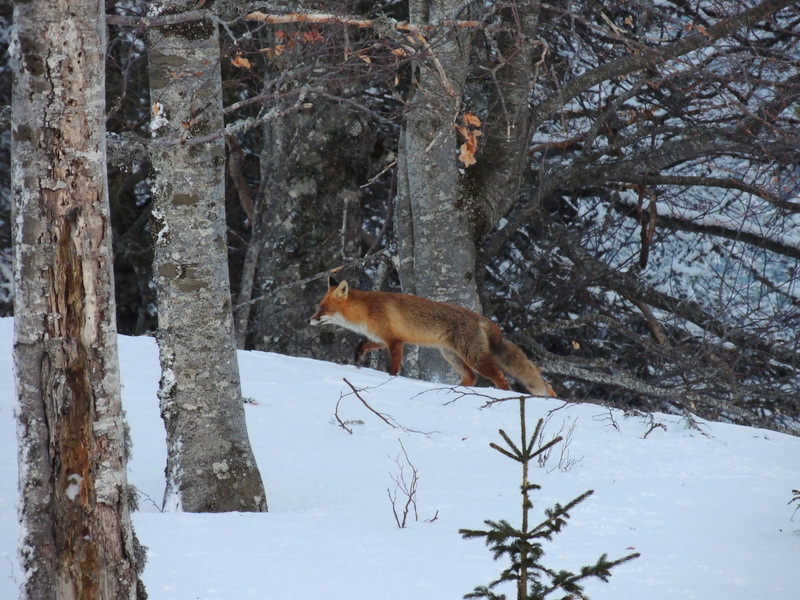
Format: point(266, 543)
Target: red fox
point(468, 341)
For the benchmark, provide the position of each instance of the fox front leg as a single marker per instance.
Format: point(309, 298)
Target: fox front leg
point(364, 348)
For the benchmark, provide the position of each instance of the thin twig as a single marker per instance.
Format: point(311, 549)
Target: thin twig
point(338, 420)
point(364, 402)
point(388, 419)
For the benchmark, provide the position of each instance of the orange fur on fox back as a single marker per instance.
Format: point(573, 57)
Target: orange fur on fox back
point(468, 341)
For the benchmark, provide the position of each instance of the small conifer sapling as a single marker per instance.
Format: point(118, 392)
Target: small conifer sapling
point(522, 546)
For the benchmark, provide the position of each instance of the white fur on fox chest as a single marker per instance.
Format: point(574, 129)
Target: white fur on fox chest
point(338, 319)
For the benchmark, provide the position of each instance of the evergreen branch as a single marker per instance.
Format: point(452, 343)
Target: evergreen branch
point(568, 581)
point(544, 448)
point(505, 452)
point(796, 498)
point(516, 454)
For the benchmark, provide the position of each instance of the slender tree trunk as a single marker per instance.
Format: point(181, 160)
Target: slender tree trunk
point(210, 464)
point(436, 240)
point(78, 541)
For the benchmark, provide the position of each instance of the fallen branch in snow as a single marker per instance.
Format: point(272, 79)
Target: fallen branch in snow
point(607, 373)
point(388, 419)
point(341, 423)
point(364, 402)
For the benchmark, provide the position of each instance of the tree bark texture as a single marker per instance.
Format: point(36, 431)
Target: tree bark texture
point(78, 541)
point(434, 227)
point(309, 222)
point(210, 464)
point(492, 185)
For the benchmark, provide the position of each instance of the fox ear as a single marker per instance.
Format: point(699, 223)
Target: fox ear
point(332, 283)
point(341, 290)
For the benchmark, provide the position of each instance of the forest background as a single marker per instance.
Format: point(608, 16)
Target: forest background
point(615, 184)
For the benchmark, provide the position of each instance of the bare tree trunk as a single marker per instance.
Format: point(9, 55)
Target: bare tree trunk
point(310, 222)
point(436, 240)
point(445, 207)
point(492, 184)
point(78, 541)
point(210, 464)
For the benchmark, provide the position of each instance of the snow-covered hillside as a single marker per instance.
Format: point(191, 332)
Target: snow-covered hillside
point(705, 506)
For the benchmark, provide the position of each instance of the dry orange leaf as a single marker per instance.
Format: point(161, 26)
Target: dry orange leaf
point(240, 61)
point(470, 119)
point(313, 36)
point(468, 130)
point(466, 156)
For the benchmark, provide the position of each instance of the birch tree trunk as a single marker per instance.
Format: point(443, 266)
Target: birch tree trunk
point(210, 464)
point(78, 541)
point(436, 241)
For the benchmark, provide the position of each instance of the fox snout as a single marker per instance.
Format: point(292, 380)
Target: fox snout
point(318, 318)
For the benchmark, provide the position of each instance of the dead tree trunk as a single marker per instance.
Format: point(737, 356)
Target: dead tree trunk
point(78, 540)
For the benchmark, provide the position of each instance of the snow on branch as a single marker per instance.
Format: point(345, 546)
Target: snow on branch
point(787, 244)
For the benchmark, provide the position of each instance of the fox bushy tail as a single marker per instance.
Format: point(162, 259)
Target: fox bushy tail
point(513, 361)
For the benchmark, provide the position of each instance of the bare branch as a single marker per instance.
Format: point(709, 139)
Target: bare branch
point(235, 163)
point(718, 182)
point(364, 402)
point(628, 285)
point(734, 232)
point(156, 21)
point(646, 57)
point(381, 24)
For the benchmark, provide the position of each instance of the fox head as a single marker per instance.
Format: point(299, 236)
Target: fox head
point(331, 304)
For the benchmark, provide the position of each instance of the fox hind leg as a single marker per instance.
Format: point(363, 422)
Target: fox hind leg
point(487, 366)
point(468, 377)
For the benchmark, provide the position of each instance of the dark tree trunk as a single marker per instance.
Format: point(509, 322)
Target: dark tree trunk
point(309, 222)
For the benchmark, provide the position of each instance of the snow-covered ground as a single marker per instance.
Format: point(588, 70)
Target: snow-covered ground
point(706, 507)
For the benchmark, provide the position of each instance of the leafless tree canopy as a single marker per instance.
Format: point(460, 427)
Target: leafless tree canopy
point(630, 180)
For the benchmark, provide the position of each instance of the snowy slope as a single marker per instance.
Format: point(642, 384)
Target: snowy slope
point(706, 508)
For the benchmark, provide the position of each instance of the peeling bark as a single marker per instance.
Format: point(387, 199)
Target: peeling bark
point(78, 541)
